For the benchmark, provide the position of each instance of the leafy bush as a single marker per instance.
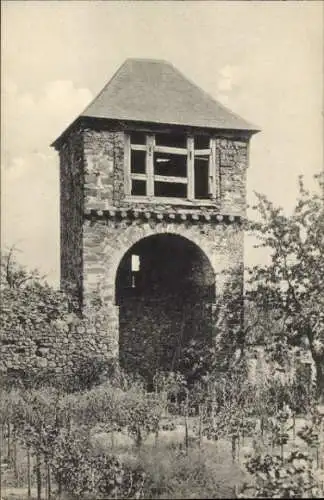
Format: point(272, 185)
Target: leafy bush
point(276, 477)
point(84, 473)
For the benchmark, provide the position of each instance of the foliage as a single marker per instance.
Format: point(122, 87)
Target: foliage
point(276, 477)
point(27, 302)
point(291, 286)
point(111, 408)
point(84, 473)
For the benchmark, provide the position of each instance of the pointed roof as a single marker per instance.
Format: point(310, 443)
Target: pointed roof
point(148, 90)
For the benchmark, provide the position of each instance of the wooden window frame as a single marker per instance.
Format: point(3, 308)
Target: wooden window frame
point(150, 177)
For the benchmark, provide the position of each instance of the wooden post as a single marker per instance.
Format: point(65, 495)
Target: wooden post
point(186, 423)
point(1, 441)
point(38, 477)
point(48, 475)
point(14, 459)
point(150, 141)
point(186, 434)
point(59, 487)
point(262, 426)
point(233, 447)
point(112, 439)
point(200, 413)
point(217, 174)
point(190, 169)
point(212, 169)
point(28, 473)
point(156, 436)
point(8, 441)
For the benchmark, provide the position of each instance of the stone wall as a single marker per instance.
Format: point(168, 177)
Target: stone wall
point(233, 161)
point(104, 169)
point(71, 212)
point(102, 173)
point(60, 350)
point(154, 333)
point(298, 365)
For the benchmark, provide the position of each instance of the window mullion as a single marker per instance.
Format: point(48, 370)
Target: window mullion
point(212, 169)
point(190, 168)
point(150, 141)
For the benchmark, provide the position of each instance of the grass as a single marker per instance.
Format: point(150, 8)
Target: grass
point(174, 472)
point(171, 470)
point(206, 472)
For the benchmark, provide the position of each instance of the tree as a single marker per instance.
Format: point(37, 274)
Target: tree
point(291, 286)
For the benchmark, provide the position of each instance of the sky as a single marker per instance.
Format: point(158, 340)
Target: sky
point(264, 60)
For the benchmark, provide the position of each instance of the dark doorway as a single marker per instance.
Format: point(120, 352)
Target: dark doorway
point(165, 286)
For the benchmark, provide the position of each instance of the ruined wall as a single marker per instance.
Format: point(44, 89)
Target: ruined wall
point(60, 350)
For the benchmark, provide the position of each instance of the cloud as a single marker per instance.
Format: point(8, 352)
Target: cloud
point(226, 83)
point(32, 121)
point(30, 194)
point(228, 76)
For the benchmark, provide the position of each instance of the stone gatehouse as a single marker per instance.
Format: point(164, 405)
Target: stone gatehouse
point(153, 177)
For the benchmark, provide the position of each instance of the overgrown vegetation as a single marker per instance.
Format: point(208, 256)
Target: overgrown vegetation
point(95, 432)
point(290, 289)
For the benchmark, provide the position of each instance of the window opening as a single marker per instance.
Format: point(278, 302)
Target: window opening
point(166, 189)
point(138, 188)
point(171, 140)
point(138, 159)
point(138, 138)
point(201, 178)
point(135, 263)
point(202, 167)
point(135, 267)
point(171, 165)
point(201, 142)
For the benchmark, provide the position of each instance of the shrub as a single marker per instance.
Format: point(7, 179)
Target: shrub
point(84, 473)
point(276, 477)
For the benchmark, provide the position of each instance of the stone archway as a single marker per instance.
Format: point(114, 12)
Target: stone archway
point(164, 290)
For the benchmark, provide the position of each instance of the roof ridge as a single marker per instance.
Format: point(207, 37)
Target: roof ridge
point(148, 59)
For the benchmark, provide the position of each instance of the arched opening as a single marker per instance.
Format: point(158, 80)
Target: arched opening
point(165, 288)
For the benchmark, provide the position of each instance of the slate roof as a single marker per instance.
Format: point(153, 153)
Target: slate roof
point(148, 90)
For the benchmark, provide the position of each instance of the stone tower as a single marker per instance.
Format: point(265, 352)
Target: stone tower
point(153, 177)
